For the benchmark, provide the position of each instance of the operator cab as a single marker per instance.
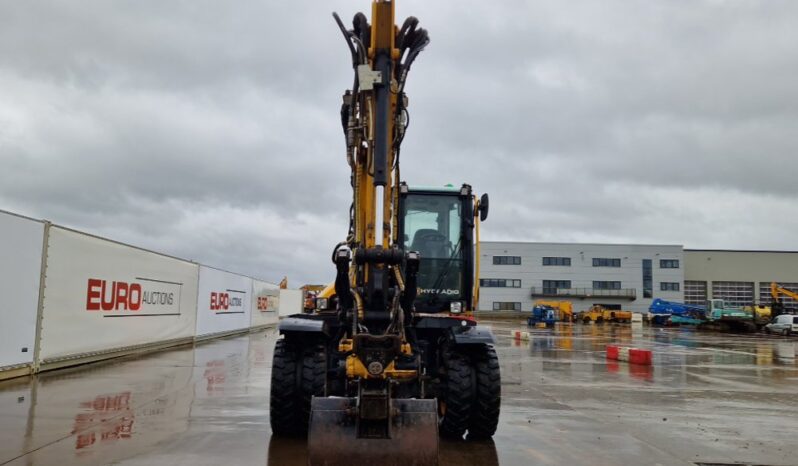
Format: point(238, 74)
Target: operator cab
point(438, 223)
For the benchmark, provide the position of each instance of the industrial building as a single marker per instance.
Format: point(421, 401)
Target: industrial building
point(628, 276)
point(618, 276)
point(741, 278)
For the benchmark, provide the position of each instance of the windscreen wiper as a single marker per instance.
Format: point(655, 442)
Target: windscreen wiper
point(442, 274)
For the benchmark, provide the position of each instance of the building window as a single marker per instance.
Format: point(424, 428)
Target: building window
point(669, 286)
point(734, 294)
point(606, 285)
point(669, 263)
point(562, 261)
point(499, 283)
point(551, 286)
point(506, 306)
point(604, 262)
point(506, 260)
point(648, 279)
point(695, 292)
point(766, 299)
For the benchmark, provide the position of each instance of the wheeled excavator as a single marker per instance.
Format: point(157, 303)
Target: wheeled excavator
point(391, 357)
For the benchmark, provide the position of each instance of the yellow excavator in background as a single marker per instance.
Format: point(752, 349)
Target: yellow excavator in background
point(391, 356)
point(778, 292)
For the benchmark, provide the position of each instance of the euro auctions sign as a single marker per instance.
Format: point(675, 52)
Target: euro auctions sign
point(228, 301)
point(143, 296)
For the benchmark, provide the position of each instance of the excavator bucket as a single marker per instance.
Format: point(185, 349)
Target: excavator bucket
point(337, 436)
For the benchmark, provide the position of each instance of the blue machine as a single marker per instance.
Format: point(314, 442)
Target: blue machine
point(678, 313)
point(542, 313)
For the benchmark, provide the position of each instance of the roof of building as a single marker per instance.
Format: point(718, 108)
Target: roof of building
point(584, 244)
point(773, 251)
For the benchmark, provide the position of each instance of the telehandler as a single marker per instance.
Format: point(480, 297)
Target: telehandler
point(391, 356)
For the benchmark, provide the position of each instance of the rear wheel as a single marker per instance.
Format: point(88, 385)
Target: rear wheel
point(286, 398)
point(485, 414)
point(459, 394)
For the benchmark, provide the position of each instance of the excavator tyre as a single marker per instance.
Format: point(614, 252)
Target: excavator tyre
point(336, 438)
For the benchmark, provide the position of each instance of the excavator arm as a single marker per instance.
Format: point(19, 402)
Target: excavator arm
point(777, 292)
point(375, 281)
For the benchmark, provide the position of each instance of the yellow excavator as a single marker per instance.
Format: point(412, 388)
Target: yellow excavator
point(778, 292)
point(391, 357)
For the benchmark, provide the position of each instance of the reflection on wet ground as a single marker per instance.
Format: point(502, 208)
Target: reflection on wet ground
point(708, 398)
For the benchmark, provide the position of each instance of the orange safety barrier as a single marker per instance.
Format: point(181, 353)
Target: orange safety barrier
point(632, 355)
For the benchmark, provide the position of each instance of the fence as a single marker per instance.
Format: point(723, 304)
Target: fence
point(70, 297)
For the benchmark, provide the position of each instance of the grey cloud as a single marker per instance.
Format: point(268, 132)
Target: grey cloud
point(210, 130)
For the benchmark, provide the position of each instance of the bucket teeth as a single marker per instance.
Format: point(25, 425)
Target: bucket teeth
point(336, 438)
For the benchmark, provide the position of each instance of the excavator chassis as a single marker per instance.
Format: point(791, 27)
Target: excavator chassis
point(385, 422)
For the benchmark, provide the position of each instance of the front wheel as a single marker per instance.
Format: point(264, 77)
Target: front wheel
point(455, 407)
point(485, 415)
point(285, 401)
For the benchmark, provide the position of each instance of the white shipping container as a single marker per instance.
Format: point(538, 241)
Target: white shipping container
point(102, 296)
point(291, 302)
point(223, 302)
point(20, 271)
point(265, 303)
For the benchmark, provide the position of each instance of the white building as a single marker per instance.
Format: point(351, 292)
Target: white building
point(619, 276)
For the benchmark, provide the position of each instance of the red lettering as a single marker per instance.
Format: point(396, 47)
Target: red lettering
point(134, 297)
point(93, 295)
point(263, 303)
point(109, 304)
point(121, 295)
point(219, 301)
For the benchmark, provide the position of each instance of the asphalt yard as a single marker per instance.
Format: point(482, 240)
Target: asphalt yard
point(707, 398)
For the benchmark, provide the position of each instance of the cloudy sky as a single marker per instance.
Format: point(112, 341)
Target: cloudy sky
point(210, 129)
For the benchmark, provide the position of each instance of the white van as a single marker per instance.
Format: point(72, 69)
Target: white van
point(783, 325)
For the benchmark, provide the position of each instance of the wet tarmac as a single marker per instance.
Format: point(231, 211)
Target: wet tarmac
point(708, 399)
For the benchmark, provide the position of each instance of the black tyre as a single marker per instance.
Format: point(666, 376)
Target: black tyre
point(458, 394)
point(485, 414)
point(313, 378)
point(286, 396)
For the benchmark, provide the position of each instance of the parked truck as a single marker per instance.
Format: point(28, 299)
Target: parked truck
point(725, 317)
point(600, 314)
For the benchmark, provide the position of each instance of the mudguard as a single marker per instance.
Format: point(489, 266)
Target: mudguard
point(296, 324)
point(473, 335)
